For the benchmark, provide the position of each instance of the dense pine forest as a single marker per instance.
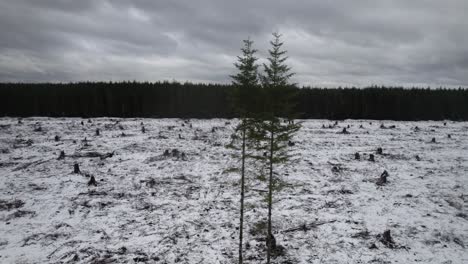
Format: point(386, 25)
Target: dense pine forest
point(188, 100)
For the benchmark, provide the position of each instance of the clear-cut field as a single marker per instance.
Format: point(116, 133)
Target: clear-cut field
point(155, 208)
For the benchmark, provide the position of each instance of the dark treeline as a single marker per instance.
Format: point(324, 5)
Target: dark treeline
point(187, 100)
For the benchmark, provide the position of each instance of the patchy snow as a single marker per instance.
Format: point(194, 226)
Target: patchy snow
point(183, 208)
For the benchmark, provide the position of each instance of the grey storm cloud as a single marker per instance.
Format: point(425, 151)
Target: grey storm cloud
point(329, 43)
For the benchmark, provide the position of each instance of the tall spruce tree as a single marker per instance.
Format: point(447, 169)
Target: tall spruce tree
point(246, 89)
point(273, 133)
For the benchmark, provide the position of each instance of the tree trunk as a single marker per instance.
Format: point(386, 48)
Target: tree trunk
point(270, 194)
point(241, 227)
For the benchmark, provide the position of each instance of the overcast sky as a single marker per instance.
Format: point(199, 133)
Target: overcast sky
point(405, 42)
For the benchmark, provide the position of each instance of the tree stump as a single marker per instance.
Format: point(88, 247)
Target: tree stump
point(361, 126)
point(76, 168)
point(445, 123)
point(418, 158)
point(383, 178)
point(387, 240)
point(433, 140)
point(97, 132)
point(379, 151)
point(61, 155)
point(357, 156)
point(175, 153)
point(143, 130)
point(166, 153)
point(371, 157)
point(92, 181)
point(89, 121)
point(344, 131)
point(449, 136)
point(82, 123)
point(272, 242)
point(56, 138)
point(382, 125)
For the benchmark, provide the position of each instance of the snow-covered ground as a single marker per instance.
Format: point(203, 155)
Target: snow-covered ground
point(183, 208)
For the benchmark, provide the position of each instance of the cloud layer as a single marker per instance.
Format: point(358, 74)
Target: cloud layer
point(329, 42)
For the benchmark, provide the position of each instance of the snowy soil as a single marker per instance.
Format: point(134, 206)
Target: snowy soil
point(152, 208)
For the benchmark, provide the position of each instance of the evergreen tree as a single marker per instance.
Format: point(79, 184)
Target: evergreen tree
point(244, 97)
point(246, 89)
point(278, 90)
point(272, 133)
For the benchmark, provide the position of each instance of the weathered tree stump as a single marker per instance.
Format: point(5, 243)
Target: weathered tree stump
point(371, 157)
point(357, 156)
point(175, 153)
point(272, 242)
point(61, 155)
point(433, 140)
point(143, 130)
point(92, 181)
point(98, 132)
point(56, 138)
point(166, 153)
point(387, 240)
point(344, 131)
point(383, 178)
point(379, 151)
point(76, 168)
